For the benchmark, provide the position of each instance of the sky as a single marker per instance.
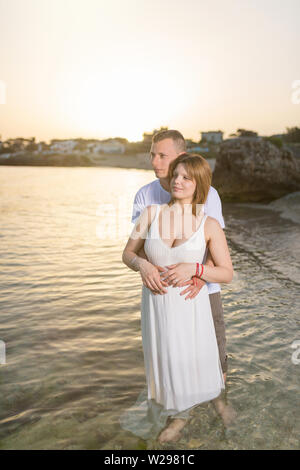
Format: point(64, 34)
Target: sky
point(118, 68)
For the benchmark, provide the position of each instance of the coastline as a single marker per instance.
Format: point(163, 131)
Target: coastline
point(138, 161)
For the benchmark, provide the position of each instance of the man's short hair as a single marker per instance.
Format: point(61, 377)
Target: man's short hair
point(176, 136)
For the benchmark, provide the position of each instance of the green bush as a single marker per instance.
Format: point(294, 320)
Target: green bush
point(277, 141)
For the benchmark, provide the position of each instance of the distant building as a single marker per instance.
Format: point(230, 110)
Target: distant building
point(107, 146)
point(43, 148)
point(245, 138)
point(147, 138)
point(18, 144)
point(62, 146)
point(214, 137)
point(192, 146)
point(278, 136)
point(197, 149)
point(190, 143)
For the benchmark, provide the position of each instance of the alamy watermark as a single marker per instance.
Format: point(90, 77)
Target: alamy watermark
point(296, 93)
point(295, 358)
point(2, 92)
point(115, 221)
point(2, 352)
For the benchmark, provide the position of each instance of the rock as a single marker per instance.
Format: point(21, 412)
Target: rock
point(255, 170)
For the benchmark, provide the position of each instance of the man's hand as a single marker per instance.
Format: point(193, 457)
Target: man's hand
point(151, 277)
point(192, 290)
point(181, 270)
point(143, 255)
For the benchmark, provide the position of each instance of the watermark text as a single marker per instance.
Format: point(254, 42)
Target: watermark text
point(2, 92)
point(296, 93)
point(296, 354)
point(2, 352)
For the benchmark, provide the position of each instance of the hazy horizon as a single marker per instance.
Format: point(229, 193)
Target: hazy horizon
point(98, 138)
point(96, 69)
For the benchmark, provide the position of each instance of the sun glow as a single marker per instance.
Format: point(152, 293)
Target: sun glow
point(124, 101)
point(100, 69)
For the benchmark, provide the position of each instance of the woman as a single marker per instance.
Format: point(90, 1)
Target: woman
point(180, 349)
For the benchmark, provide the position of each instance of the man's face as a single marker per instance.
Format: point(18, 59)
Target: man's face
point(162, 154)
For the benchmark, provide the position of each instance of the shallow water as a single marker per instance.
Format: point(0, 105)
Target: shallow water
point(70, 317)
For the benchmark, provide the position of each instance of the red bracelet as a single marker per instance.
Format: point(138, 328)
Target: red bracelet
point(195, 280)
point(197, 275)
point(197, 271)
point(201, 271)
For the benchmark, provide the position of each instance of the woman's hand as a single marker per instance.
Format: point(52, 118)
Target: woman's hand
point(179, 273)
point(151, 277)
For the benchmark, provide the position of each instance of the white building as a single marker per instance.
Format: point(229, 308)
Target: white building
point(63, 146)
point(197, 148)
point(107, 146)
point(215, 137)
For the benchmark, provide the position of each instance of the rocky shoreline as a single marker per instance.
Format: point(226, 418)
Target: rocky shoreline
point(255, 171)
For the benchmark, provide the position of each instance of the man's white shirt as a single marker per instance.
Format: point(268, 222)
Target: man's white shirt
point(154, 193)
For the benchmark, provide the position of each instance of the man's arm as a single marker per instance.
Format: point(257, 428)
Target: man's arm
point(214, 206)
point(149, 273)
point(138, 208)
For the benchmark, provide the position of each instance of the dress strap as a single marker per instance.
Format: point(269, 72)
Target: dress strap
point(201, 226)
point(155, 220)
point(157, 211)
point(203, 219)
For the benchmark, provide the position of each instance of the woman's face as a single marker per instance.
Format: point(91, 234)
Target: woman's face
point(182, 185)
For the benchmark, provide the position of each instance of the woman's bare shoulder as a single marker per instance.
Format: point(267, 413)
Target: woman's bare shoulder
point(212, 225)
point(212, 222)
point(148, 215)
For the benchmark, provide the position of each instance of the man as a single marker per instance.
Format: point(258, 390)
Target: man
point(166, 146)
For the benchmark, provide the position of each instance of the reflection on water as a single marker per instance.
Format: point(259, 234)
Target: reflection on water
point(70, 318)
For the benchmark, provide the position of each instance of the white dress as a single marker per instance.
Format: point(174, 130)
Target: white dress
point(181, 354)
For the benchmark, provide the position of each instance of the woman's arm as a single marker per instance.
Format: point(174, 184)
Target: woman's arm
point(217, 244)
point(209, 261)
point(149, 273)
point(136, 241)
point(142, 254)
